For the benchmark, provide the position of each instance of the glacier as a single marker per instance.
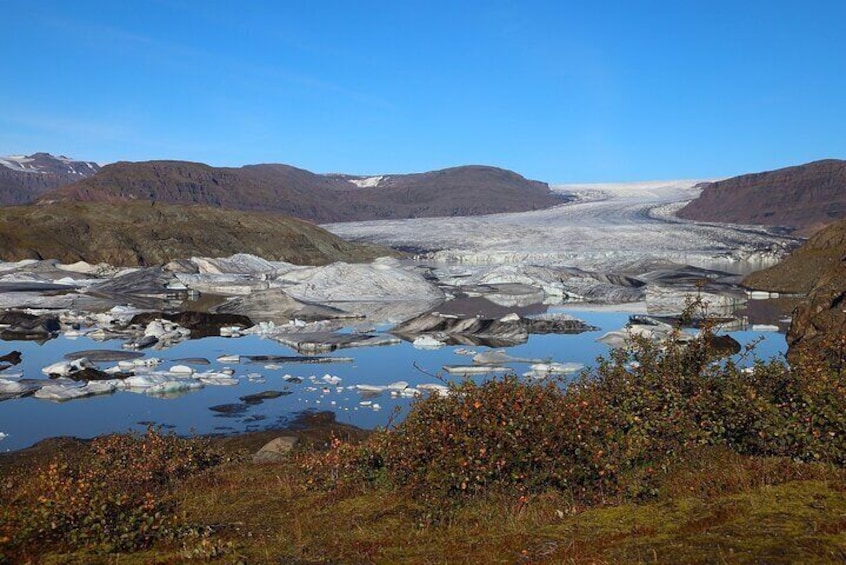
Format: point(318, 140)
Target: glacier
point(615, 227)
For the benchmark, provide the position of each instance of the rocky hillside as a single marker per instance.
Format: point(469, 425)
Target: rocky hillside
point(145, 233)
point(24, 178)
point(801, 271)
point(468, 190)
point(804, 198)
point(818, 270)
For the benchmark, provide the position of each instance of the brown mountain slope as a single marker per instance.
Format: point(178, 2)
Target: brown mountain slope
point(23, 179)
point(145, 233)
point(806, 198)
point(320, 198)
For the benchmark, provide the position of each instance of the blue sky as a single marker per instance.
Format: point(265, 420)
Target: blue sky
point(558, 91)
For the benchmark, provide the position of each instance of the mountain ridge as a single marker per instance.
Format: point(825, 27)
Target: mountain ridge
point(804, 198)
point(457, 191)
point(25, 177)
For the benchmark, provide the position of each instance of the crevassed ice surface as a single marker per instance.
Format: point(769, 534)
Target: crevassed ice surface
point(609, 227)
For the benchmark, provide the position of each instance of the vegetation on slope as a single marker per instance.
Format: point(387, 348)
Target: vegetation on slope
point(146, 233)
point(658, 455)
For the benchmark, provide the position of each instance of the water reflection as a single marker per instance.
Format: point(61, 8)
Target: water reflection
point(267, 371)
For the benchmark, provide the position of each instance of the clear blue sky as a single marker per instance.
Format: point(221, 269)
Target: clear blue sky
point(556, 90)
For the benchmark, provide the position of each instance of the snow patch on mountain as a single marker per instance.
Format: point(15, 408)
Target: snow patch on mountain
point(43, 163)
point(368, 182)
point(19, 163)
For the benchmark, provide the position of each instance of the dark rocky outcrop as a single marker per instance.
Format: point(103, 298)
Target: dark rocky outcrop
point(201, 324)
point(23, 326)
point(94, 374)
point(805, 198)
point(148, 233)
point(260, 397)
point(23, 179)
point(723, 345)
point(818, 270)
point(13, 358)
point(459, 191)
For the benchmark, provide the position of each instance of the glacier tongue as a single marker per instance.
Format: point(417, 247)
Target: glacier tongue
point(609, 227)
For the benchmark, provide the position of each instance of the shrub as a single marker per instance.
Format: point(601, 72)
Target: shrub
point(636, 413)
point(114, 498)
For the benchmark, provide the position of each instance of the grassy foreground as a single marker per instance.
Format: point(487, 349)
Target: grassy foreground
point(659, 455)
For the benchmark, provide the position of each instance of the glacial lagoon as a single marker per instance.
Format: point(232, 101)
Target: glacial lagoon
point(28, 420)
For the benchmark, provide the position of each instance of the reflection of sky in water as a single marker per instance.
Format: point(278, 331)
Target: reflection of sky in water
point(29, 420)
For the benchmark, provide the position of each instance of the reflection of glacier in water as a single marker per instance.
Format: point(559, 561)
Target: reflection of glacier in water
point(611, 227)
point(28, 420)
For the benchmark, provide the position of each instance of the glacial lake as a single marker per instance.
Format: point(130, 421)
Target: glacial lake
point(28, 420)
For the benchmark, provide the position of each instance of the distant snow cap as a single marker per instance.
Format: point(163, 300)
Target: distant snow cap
point(368, 182)
point(28, 164)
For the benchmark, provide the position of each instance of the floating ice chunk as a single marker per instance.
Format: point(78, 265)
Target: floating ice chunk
point(11, 376)
point(370, 388)
point(216, 379)
point(3, 436)
point(15, 387)
point(65, 368)
point(142, 342)
point(231, 331)
point(427, 342)
point(229, 359)
point(434, 388)
point(498, 358)
point(145, 381)
point(169, 387)
point(764, 328)
point(464, 351)
point(73, 333)
point(61, 392)
point(398, 385)
point(331, 379)
point(155, 328)
point(474, 369)
point(615, 339)
point(557, 368)
point(182, 370)
point(147, 362)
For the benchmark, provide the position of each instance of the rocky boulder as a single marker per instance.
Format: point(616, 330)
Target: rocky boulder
point(275, 450)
